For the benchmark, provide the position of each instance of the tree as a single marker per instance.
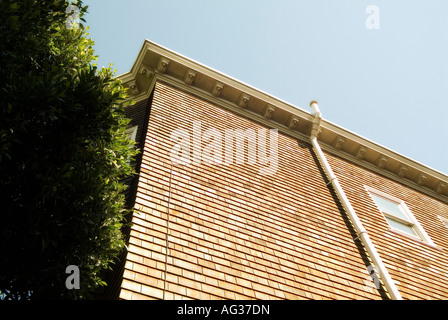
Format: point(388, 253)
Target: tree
point(63, 153)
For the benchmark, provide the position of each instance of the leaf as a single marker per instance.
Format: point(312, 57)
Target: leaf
point(64, 136)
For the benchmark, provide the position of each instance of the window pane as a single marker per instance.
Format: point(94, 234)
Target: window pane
point(401, 226)
point(390, 207)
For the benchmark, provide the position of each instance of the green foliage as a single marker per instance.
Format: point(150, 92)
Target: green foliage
point(63, 154)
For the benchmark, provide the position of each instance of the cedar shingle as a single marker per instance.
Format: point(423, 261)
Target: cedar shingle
point(235, 234)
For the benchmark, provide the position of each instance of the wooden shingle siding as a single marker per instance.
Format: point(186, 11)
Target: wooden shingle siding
point(216, 231)
point(138, 114)
point(419, 270)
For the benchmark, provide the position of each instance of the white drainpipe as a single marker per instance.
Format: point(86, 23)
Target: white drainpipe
point(361, 232)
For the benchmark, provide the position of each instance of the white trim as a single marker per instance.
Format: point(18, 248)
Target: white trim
point(416, 226)
point(444, 220)
point(234, 108)
point(132, 132)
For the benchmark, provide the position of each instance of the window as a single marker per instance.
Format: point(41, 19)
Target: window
point(398, 215)
point(394, 214)
point(132, 132)
point(444, 220)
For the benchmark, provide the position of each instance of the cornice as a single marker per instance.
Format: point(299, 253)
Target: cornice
point(156, 63)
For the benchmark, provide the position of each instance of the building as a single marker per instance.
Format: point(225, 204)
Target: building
point(332, 216)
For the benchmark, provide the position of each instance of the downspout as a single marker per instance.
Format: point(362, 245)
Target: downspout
point(360, 231)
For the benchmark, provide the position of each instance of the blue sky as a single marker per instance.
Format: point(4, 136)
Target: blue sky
point(389, 85)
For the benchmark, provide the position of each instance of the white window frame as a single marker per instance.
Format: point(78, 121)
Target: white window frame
point(415, 225)
point(444, 220)
point(132, 135)
point(132, 132)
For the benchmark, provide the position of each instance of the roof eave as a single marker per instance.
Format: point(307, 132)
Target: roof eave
point(157, 63)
